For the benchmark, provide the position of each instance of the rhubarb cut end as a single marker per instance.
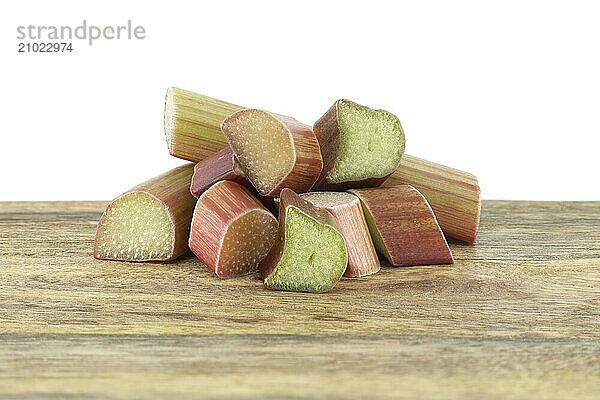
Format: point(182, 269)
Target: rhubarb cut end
point(135, 227)
point(329, 199)
point(169, 118)
point(231, 230)
point(371, 143)
point(246, 243)
point(472, 237)
point(313, 258)
point(262, 145)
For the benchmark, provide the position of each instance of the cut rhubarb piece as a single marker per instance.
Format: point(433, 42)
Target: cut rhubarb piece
point(310, 254)
point(361, 147)
point(347, 211)
point(150, 222)
point(231, 230)
point(454, 195)
point(274, 151)
point(220, 166)
point(403, 226)
point(193, 124)
point(223, 166)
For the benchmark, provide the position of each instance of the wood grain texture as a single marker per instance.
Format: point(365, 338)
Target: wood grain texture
point(517, 316)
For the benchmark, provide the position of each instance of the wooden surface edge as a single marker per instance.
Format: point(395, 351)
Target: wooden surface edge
point(517, 316)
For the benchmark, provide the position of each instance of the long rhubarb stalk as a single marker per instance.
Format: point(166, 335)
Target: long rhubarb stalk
point(150, 222)
point(454, 195)
point(193, 124)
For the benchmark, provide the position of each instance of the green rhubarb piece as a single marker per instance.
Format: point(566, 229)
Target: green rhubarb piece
point(371, 143)
point(311, 255)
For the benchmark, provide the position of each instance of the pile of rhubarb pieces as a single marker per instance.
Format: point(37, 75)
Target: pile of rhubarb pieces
point(302, 205)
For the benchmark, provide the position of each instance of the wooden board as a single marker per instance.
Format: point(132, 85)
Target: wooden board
point(517, 316)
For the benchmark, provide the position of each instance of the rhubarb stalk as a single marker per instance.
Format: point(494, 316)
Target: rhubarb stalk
point(361, 147)
point(454, 195)
point(309, 254)
point(231, 230)
point(193, 124)
point(218, 167)
point(150, 222)
point(274, 151)
point(403, 226)
point(347, 211)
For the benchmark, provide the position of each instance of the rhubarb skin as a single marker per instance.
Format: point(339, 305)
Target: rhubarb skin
point(454, 195)
point(328, 130)
point(231, 230)
point(305, 277)
point(348, 213)
point(403, 226)
point(193, 124)
point(220, 166)
point(168, 194)
point(299, 153)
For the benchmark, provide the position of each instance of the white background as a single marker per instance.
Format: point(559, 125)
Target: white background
point(509, 91)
